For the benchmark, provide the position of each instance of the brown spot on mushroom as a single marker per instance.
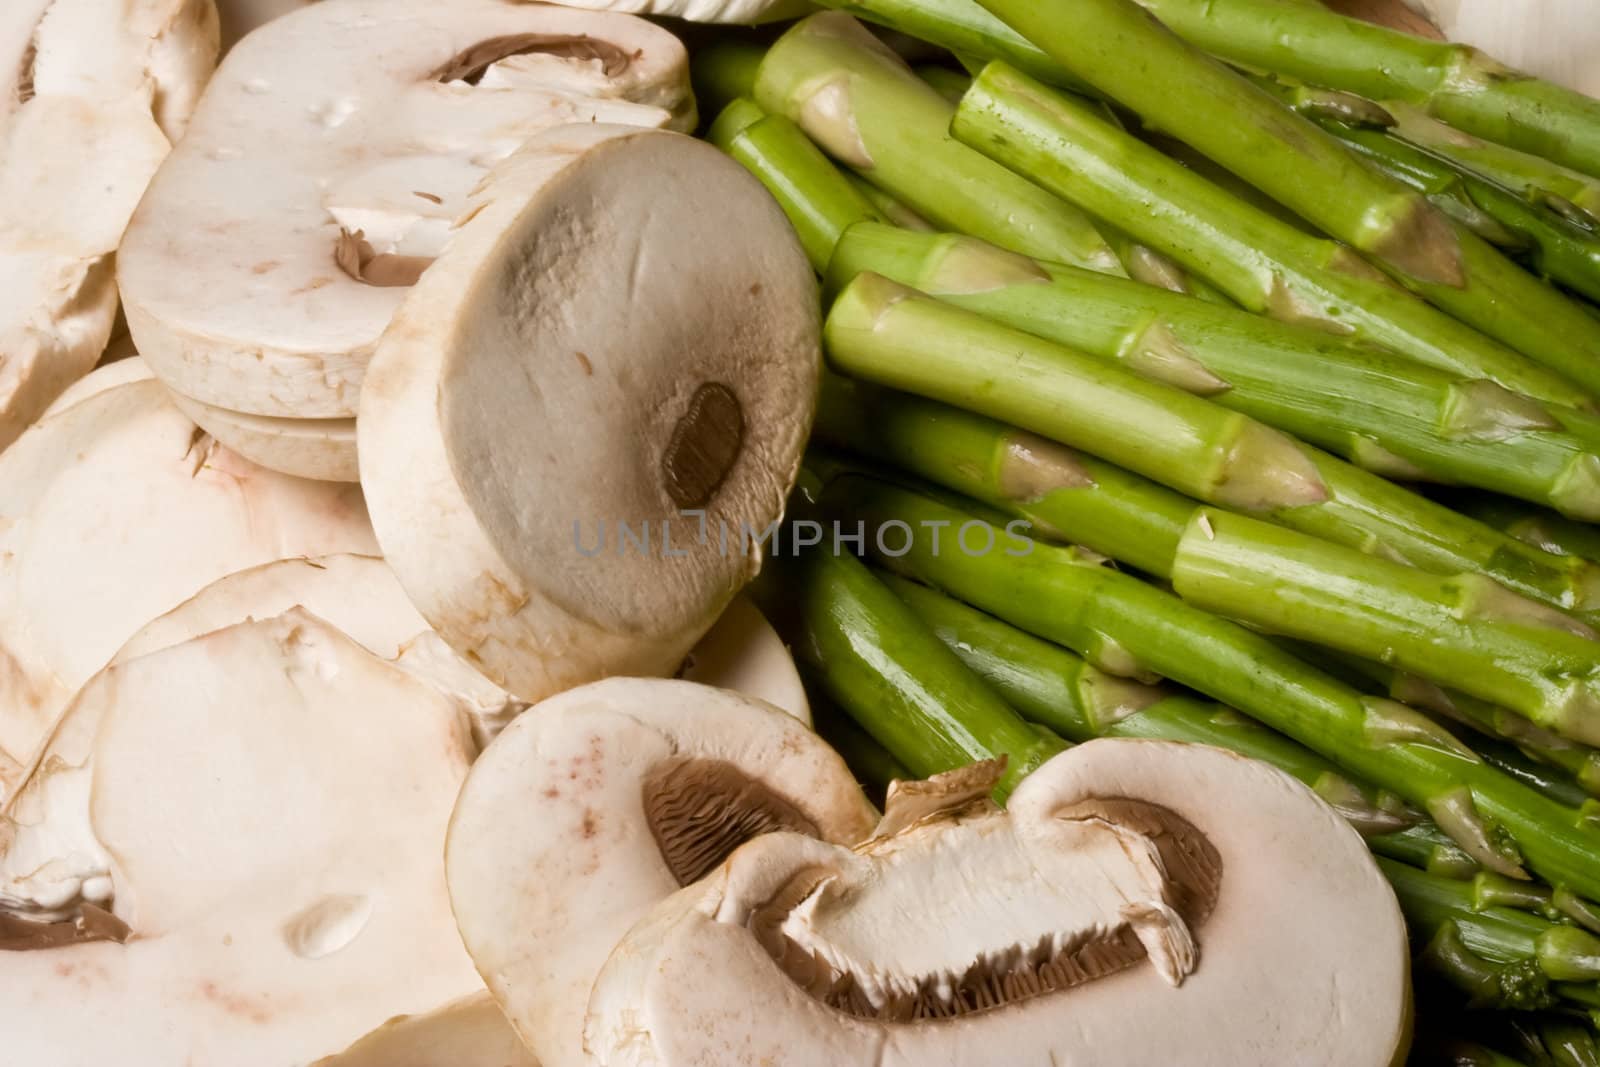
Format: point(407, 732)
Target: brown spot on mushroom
point(591, 823)
point(470, 64)
point(704, 445)
point(357, 258)
point(583, 361)
point(266, 266)
point(700, 810)
point(30, 56)
point(432, 198)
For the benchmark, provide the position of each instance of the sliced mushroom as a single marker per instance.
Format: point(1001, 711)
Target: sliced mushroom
point(114, 511)
point(108, 375)
point(324, 119)
point(744, 653)
point(96, 91)
point(599, 419)
point(600, 802)
point(471, 1032)
point(272, 799)
point(322, 449)
point(743, 12)
point(1141, 902)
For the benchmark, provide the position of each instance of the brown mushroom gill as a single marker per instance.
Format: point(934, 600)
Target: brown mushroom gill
point(90, 923)
point(30, 56)
point(704, 446)
point(700, 810)
point(470, 64)
point(1038, 962)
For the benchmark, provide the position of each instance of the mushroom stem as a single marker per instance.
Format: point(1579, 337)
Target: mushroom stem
point(1057, 594)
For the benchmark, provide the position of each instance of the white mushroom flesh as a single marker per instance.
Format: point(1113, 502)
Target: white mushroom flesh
point(349, 113)
point(598, 803)
point(510, 366)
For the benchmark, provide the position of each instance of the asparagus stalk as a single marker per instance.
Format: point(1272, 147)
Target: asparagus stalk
point(1580, 763)
point(772, 148)
point(873, 765)
point(880, 664)
point(1064, 494)
point(1453, 82)
point(1260, 261)
point(722, 73)
point(1056, 594)
point(1118, 48)
point(1551, 533)
point(1465, 631)
point(868, 109)
point(892, 210)
point(1374, 409)
point(1557, 246)
point(1465, 941)
point(1535, 176)
point(894, 336)
point(1051, 686)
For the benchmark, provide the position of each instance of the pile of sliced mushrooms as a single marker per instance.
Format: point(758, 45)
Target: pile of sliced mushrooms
point(320, 743)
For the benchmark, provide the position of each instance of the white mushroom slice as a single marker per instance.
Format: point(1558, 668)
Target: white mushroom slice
point(355, 594)
point(1141, 902)
point(744, 653)
point(95, 91)
point(321, 449)
point(744, 12)
point(114, 511)
point(272, 799)
point(598, 803)
point(110, 375)
point(599, 419)
point(294, 141)
point(471, 1032)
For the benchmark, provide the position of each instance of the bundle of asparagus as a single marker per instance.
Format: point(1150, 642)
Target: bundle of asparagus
point(1172, 316)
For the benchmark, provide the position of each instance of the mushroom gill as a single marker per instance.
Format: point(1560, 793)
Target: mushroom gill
point(470, 64)
point(700, 810)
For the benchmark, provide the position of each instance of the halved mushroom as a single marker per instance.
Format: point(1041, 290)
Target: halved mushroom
point(471, 1032)
point(271, 800)
point(324, 166)
point(599, 419)
point(95, 93)
point(1140, 902)
point(598, 803)
point(114, 511)
point(744, 653)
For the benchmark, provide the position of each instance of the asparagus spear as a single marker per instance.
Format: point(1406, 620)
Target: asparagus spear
point(879, 663)
point(1464, 631)
point(1260, 261)
point(722, 73)
point(1580, 762)
point(1557, 246)
point(1502, 956)
point(1453, 82)
point(1374, 409)
point(1056, 594)
point(1533, 175)
point(894, 336)
point(869, 110)
point(1051, 686)
point(772, 148)
point(1531, 525)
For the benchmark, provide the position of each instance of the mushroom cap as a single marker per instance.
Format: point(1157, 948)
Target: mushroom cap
point(272, 798)
point(470, 1032)
point(553, 849)
point(295, 146)
point(511, 366)
point(1303, 953)
point(99, 88)
point(320, 449)
point(116, 510)
point(742, 652)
